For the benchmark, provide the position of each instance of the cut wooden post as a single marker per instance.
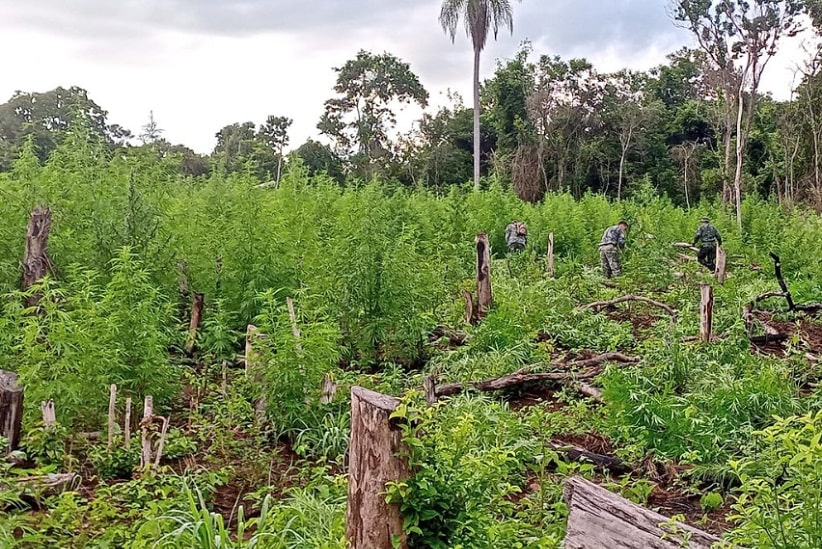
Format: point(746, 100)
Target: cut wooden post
point(36, 260)
point(429, 385)
point(470, 315)
point(49, 415)
point(196, 317)
point(374, 459)
point(145, 425)
point(484, 296)
point(706, 313)
point(11, 409)
point(550, 260)
point(112, 409)
point(329, 389)
point(162, 442)
point(599, 519)
point(127, 424)
point(721, 262)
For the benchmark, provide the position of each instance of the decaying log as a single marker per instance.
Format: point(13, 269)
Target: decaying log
point(599, 519)
point(11, 409)
point(484, 295)
point(455, 337)
point(429, 386)
point(523, 376)
point(706, 313)
point(587, 390)
point(575, 453)
point(196, 318)
point(685, 246)
point(375, 458)
point(48, 412)
point(777, 267)
point(36, 262)
point(549, 262)
point(42, 486)
point(597, 305)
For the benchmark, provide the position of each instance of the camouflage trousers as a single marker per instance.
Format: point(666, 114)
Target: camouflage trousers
point(609, 255)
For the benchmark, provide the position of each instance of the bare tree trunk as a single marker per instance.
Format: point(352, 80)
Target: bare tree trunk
point(375, 458)
point(476, 118)
point(11, 409)
point(112, 410)
point(706, 313)
point(484, 297)
point(550, 259)
point(36, 260)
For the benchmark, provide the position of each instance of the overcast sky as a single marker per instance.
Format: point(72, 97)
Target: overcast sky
point(202, 64)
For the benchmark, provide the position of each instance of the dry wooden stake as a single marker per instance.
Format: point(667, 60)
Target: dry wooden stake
point(484, 296)
point(112, 404)
point(11, 409)
point(49, 415)
point(721, 262)
point(197, 305)
point(145, 425)
point(36, 262)
point(127, 423)
point(706, 313)
point(550, 255)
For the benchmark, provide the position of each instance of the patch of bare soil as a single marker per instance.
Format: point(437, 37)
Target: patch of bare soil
point(809, 332)
point(641, 321)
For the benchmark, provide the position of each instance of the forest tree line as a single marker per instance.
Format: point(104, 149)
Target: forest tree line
point(548, 124)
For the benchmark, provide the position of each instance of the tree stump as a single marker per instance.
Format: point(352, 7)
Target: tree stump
point(11, 409)
point(374, 460)
point(36, 260)
point(550, 258)
point(484, 297)
point(721, 262)
point(599, 519)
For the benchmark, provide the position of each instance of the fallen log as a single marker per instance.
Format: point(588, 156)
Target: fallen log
point(575, 453)
point(685, 246)
point(587, 390)
point(42, 486)
point(597, 305)
point(599, 519)
point(522, 376)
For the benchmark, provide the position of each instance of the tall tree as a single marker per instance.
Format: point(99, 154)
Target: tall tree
point(740, 37)
point(151, 130)
point(275, 134)
point(360, 119)
point(479, 17)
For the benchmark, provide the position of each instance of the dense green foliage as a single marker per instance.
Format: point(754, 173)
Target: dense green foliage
point(373, 269)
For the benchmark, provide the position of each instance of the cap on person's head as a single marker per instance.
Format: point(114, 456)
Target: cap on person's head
point(705, 220)
point(622, 222)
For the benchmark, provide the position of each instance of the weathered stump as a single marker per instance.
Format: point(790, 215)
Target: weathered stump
point(374, 460)
point(721, 263)
point(35, 259)
point(11, 409)
point(484, 296)
point(706, 313)
point(599, 519)
point(550, 259)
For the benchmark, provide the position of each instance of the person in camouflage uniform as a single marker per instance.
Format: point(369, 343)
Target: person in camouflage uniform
point(613, 240)
point(707, 237)
point(516, 236)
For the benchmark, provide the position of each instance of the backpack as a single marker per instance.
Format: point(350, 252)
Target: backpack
point(520, 229)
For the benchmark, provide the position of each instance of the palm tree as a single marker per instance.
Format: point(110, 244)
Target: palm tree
point(479, 16)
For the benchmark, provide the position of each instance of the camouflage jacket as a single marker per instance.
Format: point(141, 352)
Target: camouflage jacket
point(613, 236)
point(707, 235)
point(511, 236)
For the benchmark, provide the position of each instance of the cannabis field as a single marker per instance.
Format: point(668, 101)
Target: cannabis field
point(723, 435)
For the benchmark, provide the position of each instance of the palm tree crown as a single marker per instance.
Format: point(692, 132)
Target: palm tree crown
point(478, 16)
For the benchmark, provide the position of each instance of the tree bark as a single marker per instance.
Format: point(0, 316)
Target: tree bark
point(374, 460)
point(484, 296)
point(550, 259)
point(777, 267)
point(112, 408)
point(706, 313)
point(599, 519)
point(148, 411)
point(36, 261)
point(575, 453)
point(11, 409)
point(721, 262)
